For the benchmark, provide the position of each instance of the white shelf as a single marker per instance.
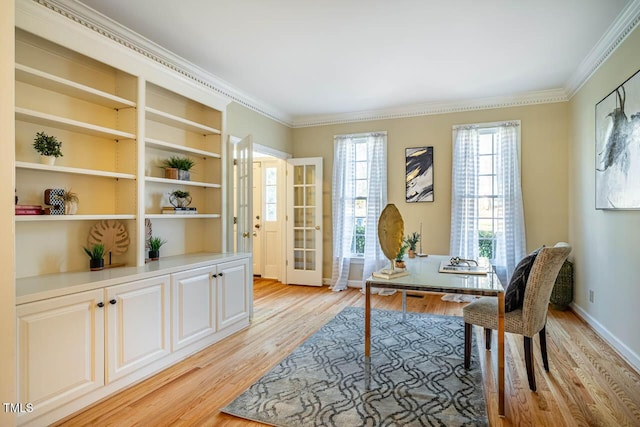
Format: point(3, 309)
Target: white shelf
point(179, 122)
point(45, 119)
point(32, 218)
point(66, 169)
point(181, 216)
point(163, 145)
point(76, 90)
point(181, 182)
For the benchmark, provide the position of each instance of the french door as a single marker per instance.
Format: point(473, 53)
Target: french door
point(304, 220)
point(244, 187)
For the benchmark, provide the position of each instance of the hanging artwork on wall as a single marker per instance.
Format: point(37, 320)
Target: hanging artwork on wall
point(419, 174)
point(618, 147)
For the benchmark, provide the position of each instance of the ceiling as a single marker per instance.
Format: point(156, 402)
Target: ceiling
point(335, 57)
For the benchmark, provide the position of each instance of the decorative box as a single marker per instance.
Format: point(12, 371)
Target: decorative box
point(55, 198)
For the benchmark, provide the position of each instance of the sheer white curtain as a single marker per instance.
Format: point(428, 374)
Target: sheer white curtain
point(343, 204)
point(510, 233)
point(374, 259)
point(464, 193)
point(510, 244)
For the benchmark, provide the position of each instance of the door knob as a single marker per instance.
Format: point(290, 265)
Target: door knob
point(257, 226)
point(317, 227)
point(255, 234)
point(245, 234)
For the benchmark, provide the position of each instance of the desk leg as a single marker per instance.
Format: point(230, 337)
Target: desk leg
point(501, 390)
point(404, 305)
point(367, 336)
point(367, 321)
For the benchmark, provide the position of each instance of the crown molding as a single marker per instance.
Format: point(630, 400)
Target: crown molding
point(107, 27)
point(95, 21)
point(529, 98)
point(624, 24)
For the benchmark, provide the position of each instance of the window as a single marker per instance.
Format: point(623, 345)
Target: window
point(490, 209)
point(359, 193)
point(360, 200)
point(487, 216)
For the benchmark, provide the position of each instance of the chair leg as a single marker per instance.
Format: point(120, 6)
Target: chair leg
point(543, 347)
point(487, 338)
point(528, 359)
point(467, 344)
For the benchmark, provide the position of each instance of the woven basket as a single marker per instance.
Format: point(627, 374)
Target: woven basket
point(562, 293)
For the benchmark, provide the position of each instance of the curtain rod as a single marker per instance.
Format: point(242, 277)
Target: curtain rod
point(487, 125)
point(361, 135)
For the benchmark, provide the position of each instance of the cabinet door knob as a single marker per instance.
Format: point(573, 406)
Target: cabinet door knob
point(113, 301)
point(100, 304)
point(214, 275)
point(220, 274)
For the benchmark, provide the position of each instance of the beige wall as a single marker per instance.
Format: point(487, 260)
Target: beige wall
point(606, 244)
point(544, 170)
point(242, 121)
point(7, 183)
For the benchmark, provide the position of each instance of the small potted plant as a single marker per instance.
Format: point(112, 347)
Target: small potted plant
point(154, 247)
point(180, 199)
point(412, 240)
point(70, 202)
point(177, 167)
point(400, 257)
point(96, 256)
point(48, 147)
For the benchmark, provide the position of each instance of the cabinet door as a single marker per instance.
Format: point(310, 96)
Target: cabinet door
point(60, 349)
point(234, 296)
point(194, 305)
point(137, 325)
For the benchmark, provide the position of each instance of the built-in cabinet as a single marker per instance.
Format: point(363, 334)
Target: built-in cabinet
point(75, 349)
point(83, 335)
point(61, 349)
point(138, 324)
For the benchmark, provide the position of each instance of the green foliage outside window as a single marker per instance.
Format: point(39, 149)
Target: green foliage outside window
point(485, 241)
point(358, 237)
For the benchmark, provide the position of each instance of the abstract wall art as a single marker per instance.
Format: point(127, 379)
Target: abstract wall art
point(419, 174)
point(617, 154)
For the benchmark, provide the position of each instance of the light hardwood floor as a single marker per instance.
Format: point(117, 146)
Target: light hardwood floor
point(588, 383)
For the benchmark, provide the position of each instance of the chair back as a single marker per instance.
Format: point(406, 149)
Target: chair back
point(542, 277)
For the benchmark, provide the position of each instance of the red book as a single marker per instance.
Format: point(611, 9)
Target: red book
point(28, 207)
point(29, 211)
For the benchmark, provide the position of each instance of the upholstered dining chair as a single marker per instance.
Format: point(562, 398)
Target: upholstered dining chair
point(527, 320)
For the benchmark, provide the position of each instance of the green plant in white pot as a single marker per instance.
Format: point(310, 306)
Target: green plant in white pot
point(48, 147)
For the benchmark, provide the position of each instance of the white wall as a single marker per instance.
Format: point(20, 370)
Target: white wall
point(606, 244)
point(7, 184)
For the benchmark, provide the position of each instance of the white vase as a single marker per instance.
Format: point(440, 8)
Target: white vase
point(47, 160)
point(70, 208)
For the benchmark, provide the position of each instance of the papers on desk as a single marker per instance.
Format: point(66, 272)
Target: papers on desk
point(445, 267)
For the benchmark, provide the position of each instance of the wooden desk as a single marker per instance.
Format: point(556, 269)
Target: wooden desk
point(426, 277)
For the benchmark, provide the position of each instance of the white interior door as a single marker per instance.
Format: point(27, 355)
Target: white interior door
point(273, 213)
point(257, 219)
point(244, 200)
point(304, 220)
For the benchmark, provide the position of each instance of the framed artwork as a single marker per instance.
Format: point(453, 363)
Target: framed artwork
point(419, 174)
point(618, 147)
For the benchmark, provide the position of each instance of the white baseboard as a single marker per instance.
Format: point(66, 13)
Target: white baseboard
point(350, 283)
point(624, 351)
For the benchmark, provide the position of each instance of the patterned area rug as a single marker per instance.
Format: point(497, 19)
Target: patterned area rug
point(416, 377)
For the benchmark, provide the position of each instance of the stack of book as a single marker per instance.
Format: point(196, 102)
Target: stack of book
point(29, 210)
point(182, 211)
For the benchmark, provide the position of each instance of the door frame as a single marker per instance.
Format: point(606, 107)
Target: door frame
point(282, 157)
